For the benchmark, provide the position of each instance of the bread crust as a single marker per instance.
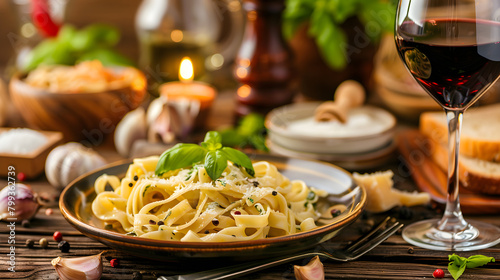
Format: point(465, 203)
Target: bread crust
point(434, 126)
point(470, 178)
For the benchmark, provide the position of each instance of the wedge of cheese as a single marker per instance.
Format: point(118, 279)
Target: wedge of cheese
point(382, 197)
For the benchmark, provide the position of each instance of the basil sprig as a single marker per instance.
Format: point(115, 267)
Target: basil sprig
point(326, 19)
point(210, 152)
point(458, 264)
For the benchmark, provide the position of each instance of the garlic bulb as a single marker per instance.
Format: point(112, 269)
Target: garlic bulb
point(81, 268)
point(68, 161)
point(312, 271)
point(132, 127)
point(25, 201)
point(169, 120)
point(164, 122)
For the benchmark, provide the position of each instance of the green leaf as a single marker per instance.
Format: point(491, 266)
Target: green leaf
point(457, 264)
point(240, 158)
point(66, 34)
point(342, 10)
point(478, 260)
point(49, 52)
point(456, 271)
point(212, 141)
point(296, 13)
point(215, 164)
point(250, 131)
point(258, 141)
point(179, 156)
point(379, 16)
point(231, 137)
point(107, 57)
point(96, 35)
point(319, 18)
point(326, 16)
point(457, 259)
point(145, 190)
point(251, 124)
point(211, 153)
point(332, 43)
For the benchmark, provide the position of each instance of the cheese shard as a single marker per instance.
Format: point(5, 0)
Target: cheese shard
point(382, 197)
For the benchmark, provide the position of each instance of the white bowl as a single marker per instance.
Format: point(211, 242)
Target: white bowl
point(293, 127)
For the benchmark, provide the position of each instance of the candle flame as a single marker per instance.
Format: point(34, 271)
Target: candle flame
point(186, 70)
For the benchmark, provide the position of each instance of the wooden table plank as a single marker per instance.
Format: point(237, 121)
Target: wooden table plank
point(390, 260)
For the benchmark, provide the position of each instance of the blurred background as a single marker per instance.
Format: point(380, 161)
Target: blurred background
point(80, 13)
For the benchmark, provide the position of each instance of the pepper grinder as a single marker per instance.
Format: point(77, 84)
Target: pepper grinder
point(264, 64)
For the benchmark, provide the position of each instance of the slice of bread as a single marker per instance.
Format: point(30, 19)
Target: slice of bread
point(479, 176)
point(480, 131)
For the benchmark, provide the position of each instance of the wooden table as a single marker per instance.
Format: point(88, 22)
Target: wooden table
point(390, 260)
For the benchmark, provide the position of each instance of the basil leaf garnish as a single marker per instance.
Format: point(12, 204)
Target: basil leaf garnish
point(215, 163)
point(179, 156)
point(239, 158)
point(458, 264)
point(210, 152)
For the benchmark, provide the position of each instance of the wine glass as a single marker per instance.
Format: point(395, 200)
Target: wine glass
point(452, 49)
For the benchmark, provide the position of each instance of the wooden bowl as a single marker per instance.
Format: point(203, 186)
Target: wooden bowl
point(86, 117)
point(31, 164)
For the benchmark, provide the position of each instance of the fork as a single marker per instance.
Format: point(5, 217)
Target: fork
point(353, 251)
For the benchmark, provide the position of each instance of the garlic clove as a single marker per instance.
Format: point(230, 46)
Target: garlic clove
point(169, 120)
point(131, 128)
point(312, 271)
point(66, 162)
point(161, 128)
point(80, 268)
point(154, 110)
point(26, 202)
point(54, 162)
point(72, 167)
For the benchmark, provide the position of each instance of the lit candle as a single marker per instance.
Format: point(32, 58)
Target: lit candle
point(188, 89)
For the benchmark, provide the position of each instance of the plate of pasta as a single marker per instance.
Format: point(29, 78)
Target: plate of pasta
point(286, 205)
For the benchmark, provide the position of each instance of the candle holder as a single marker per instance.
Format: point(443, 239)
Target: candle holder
point(191, 91)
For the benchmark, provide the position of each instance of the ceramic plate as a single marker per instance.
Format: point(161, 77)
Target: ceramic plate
point(327, 137)
point(352, 162)
point(76, 201)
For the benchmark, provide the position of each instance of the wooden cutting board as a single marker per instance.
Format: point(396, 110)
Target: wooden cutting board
point(430, 178)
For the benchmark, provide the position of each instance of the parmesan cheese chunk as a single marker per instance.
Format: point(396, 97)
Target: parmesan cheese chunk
point(382, 197)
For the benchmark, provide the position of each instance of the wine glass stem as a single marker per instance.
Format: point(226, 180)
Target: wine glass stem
point(453, 220)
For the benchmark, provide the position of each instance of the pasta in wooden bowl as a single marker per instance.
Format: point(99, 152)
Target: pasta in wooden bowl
point(80, 101)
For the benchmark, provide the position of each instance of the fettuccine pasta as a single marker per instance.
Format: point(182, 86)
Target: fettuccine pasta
point(187, 205)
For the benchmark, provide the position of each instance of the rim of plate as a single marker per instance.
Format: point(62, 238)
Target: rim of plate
point(167, 244)
point(310, 106)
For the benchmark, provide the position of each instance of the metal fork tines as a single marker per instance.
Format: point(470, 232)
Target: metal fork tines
point(361, 246)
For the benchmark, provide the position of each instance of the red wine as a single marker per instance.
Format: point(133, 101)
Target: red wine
point(454, 60)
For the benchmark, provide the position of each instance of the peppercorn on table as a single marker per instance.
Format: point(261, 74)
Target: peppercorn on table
point(27, 248)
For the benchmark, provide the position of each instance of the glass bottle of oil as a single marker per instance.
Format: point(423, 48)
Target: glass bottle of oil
point(169, 30)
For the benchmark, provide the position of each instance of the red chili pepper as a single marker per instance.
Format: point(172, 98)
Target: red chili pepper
point(40, 14)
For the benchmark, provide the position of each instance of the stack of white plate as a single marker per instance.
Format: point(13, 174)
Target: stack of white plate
point(365, 141)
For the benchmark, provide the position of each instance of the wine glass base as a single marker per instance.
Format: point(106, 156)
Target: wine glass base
point(477, 235)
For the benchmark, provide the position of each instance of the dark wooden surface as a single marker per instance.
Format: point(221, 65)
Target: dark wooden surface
point(390, 260)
